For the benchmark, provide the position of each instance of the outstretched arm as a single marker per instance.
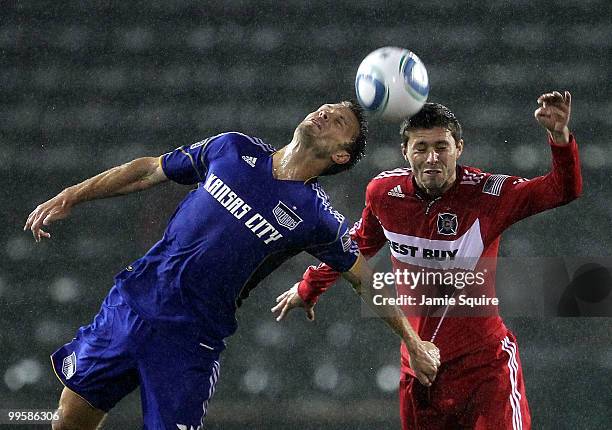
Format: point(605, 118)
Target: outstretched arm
point(369, 237)
point(424, 356)
point(137, 175)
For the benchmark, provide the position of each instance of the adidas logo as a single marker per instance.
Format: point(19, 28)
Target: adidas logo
point(250, 160)
point(396, 192)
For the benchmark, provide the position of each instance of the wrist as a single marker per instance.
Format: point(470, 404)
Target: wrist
point(561, 137)
point(69, 196)
point(305, 293)
point(413, 344)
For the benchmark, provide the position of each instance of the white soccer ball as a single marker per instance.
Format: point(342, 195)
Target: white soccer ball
point(392, 83)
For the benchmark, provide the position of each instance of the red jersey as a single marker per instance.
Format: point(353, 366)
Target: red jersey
point(463, 224)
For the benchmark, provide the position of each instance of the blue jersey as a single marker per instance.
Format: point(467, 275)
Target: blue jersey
point(228, 234)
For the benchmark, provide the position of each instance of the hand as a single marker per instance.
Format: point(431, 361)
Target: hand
point(58, 207)
point(554, 114)
point(291, 299)
point(424, 361)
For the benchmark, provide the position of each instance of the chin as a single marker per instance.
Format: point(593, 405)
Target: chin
point(304, 131)
point(307, 135)
point(432, 185)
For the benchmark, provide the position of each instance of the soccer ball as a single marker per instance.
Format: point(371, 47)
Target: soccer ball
point(392, 83)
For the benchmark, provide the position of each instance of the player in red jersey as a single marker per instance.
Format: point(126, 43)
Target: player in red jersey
point(438, 215)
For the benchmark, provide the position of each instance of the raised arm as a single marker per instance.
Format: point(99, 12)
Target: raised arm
point(137, 175)
point(518, 198)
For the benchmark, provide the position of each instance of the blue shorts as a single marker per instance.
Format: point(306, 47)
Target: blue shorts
point(120, 351)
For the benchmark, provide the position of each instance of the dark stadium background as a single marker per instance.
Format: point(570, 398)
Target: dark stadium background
point(87, 85)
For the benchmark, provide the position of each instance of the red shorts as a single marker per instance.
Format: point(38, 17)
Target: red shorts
point(481, 390)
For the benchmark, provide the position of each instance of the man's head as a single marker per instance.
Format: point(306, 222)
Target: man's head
point(432, 143)
point(336, 132)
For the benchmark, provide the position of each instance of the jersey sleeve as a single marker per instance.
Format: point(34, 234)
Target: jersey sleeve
point(519, 198)
point(188, 164)
point(337, 248)
point(367, 233)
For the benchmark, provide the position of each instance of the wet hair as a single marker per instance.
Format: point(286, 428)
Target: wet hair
point(430, 116)
point(355, 148)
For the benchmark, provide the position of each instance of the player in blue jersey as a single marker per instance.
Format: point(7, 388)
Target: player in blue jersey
point(163, 324)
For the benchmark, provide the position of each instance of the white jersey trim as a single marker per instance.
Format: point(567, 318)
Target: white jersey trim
point(212, 382)
point(471, 178)
point(400, 171)
point(256, 141)
point(322, 195)
point(515, 396)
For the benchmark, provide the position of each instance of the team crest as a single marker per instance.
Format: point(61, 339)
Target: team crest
point(69, 366)
point(447, 224)
point(285, 216)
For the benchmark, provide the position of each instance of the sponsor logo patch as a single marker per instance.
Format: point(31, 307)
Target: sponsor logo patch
point(396, 192)
point(447, 224)
point(448, 253)
point(250, 160)
point(69, 366)
point(285, 216)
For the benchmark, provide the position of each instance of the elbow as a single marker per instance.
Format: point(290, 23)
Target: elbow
point(571, 194)
point(577, 181)
point(577, 192)
point(576, 189)
point(572, 187)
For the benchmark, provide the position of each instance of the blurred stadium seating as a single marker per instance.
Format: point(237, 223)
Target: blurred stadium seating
point(90, 84)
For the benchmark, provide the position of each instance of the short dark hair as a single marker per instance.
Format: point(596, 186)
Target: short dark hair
point(430, 116)
point(355, 148)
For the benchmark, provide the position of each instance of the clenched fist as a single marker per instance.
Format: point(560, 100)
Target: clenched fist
point(554, 114)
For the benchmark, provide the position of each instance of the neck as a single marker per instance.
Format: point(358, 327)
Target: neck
point(296, 162)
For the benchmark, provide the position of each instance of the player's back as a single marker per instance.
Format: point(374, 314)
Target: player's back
point(229, 233)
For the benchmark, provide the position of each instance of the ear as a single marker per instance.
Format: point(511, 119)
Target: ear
point(405, 150)
point(459, 148)
point(341, 157)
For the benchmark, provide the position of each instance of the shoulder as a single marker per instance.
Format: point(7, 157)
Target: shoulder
point(247, 140)
point(486, 182)
point(471, 176)
point(324, 207)
point(386, 180)
point(400, 171)
point(235, 139)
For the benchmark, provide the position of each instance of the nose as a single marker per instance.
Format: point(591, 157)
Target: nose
point(432, 157)
point(323, 114)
